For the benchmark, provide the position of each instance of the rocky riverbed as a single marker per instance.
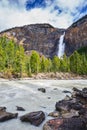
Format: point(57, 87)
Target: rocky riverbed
point(27, 94)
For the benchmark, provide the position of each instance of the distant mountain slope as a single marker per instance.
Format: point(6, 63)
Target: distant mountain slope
point(76, 36)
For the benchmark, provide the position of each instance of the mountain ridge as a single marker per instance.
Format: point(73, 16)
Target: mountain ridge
point(76, 36)
point(44, 38)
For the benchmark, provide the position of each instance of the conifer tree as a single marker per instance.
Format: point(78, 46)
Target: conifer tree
point(75, 62)
point(64, 64)
point(19, 61)
point(55, 64)
point(9, 51)
point(43, 66)
point(2, 59)
point(35, 62)
point(28, 66)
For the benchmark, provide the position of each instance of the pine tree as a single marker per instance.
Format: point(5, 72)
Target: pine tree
point(2, 59)
point(55, 64)
point(43, 66)
point(64, 64)
point(83, 69)
point(35, 62)
point(19, 62)
point(28, 66)
point(9, 53)
point(75, 62)
point(48, 65)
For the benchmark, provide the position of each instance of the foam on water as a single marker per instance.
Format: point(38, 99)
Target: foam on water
point(25, 93)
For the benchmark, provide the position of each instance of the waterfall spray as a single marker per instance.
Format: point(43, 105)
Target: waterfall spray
point(61, 46)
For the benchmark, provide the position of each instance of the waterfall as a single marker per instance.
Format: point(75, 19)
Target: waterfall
point(61, 46)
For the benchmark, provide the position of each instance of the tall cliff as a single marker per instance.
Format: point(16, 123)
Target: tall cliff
point(76, 36)
point(40, 37)
point(44, 38)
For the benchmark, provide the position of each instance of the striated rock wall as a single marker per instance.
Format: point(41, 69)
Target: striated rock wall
point(40, 37)
point(76, 36)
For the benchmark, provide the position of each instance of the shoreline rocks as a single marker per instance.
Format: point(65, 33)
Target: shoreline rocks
point(66, 124)
point(50, 75)
point(72, 112)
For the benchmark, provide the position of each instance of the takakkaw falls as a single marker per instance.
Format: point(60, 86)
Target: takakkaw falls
point(43, 76)
point(61, 46)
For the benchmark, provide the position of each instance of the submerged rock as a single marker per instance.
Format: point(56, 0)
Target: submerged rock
point(66, 91)
point(20, 108)
point(43, 90)
point(35, 118)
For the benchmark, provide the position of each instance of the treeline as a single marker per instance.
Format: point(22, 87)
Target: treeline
point(14, 61)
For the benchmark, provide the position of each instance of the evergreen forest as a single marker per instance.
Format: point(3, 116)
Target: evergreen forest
point(14, 61)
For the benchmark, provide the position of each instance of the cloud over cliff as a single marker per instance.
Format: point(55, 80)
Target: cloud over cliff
point(59, 13)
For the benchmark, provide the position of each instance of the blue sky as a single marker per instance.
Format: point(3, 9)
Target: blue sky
point(59, 13)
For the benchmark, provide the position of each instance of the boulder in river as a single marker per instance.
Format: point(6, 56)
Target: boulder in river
point(43, 90)
point(80, 94)
point(2, 108)
point(20, 108)
point(35, 118)
point(63, 105)
point(4, 116)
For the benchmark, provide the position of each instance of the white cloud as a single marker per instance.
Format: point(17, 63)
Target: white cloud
point(12, 15)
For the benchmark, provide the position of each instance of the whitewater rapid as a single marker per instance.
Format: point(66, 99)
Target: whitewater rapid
point(25, 93)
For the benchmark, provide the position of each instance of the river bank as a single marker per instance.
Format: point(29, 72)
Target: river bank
point(59, 76)
point(25, 93)
point(47, 76)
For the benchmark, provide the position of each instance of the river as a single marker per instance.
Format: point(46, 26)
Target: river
point(25, 93)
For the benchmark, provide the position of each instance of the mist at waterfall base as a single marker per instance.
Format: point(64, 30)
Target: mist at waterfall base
point(61, 46)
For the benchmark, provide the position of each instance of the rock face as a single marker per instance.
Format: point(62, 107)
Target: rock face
point(40, 37)
point(44, 38)
point(76, 36)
